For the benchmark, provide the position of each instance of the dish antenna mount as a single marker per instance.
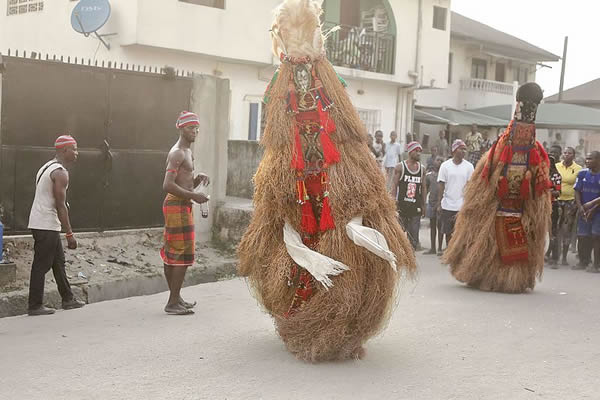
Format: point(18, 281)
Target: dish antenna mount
point(89, 16)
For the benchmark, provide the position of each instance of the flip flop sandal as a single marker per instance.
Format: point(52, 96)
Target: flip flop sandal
point(188, 305)
point(180, 311)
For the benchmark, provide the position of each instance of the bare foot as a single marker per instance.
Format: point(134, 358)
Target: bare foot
point(185, 304)
point(177, 309)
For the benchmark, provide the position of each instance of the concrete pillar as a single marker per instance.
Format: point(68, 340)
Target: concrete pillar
point(404, 114)
point(211, 101)
point(1, 69)
point(514, 99)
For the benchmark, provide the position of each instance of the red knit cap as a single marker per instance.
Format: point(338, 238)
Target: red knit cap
point(412, 146)
point(64, 140)
point(187, 118)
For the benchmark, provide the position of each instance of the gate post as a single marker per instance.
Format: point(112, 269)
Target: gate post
point(210, 100)
point(1, 132)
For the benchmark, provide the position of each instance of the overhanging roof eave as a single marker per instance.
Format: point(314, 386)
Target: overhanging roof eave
point(535, 56)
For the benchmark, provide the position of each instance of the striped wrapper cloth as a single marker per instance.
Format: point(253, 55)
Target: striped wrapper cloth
point(179, 235)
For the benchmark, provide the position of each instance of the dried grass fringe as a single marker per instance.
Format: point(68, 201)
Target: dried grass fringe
point(334, 324)
point(473, 252)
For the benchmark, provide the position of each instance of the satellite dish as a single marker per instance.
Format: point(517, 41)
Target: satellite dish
point(90, 15)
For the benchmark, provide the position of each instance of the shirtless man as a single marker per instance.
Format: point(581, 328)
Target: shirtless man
point(179, 247)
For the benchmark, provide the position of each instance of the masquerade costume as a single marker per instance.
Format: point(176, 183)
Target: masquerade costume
point(498, 241)
point(324, 251)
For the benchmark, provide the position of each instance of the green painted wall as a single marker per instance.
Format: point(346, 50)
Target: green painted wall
point(331, 11)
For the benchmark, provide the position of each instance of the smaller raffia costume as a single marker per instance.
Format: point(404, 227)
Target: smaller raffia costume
point(324, 250)
point(498, 241)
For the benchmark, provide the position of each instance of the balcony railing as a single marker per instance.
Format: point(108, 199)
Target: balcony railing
point(353, 47)
point(484, 85)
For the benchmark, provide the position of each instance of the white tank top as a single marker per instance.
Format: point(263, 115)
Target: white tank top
point(43, 214)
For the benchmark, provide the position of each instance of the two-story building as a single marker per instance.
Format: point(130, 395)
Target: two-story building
point(384, 49)
point(485, 67)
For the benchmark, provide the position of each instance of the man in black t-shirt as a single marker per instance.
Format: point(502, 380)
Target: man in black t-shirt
point(409, 189)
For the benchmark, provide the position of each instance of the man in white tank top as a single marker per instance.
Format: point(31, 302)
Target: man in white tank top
point(49, 215)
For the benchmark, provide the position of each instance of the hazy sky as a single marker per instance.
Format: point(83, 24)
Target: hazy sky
point(545, 23)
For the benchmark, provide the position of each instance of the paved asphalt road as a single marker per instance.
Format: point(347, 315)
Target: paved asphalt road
point(445, 341)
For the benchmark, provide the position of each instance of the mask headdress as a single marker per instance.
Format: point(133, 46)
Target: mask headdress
point(529, 97)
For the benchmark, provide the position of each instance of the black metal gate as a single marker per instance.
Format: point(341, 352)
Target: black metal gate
point(123, 122)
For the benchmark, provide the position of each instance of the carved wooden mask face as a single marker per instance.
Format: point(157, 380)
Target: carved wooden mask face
point(302, 78)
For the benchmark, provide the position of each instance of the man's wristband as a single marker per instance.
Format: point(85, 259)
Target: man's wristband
point(69, 234)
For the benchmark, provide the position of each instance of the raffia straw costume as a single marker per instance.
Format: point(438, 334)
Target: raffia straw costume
point(498, 241)
point(324, 243)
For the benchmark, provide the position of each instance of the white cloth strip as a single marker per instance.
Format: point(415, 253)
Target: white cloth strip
point(318, 265)
point(370, 239)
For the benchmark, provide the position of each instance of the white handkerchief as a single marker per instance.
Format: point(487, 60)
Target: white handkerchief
point(370, 239)
point(318, 265)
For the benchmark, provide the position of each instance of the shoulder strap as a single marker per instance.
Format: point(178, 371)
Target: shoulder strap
point(44, 170)
point(402, 173)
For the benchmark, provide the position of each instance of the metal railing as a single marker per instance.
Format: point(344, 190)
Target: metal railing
point(354, 47)
point(484, 85)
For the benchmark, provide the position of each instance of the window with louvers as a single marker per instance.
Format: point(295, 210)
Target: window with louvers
point(440, 16)
point(16, 7)
point(371, 119)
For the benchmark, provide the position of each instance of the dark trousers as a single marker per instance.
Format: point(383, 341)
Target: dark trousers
point(566, 224)
point(411, 225)
point(587, 245)
point(448, 222)
point(435, 232)
point(48, 253)
point(554, 248)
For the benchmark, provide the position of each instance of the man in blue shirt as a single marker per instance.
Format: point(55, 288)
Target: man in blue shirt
point(587, 199)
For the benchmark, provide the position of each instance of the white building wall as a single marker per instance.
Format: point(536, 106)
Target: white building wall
point(450, 96)
point(379, 97)
point(240, 31)
point(462, 59)
point(49, 31)
point(233, 43)
point(435, 45)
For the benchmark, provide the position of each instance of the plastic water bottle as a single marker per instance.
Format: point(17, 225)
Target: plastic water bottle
point(1, 241)
point(204, 209)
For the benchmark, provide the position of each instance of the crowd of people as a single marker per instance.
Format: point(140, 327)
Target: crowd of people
point(575, 223)
point(434, 190)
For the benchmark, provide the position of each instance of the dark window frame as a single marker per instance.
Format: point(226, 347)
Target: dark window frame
point(503, 72)
point(253, 121)
point(478, 64)
point(440, 18)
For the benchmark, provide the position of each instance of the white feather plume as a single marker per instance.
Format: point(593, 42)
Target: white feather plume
point(298, 29)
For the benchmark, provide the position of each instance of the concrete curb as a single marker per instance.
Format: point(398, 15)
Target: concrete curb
point(15, 303)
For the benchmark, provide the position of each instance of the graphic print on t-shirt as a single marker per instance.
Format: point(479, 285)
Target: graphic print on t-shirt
point(411, 191)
